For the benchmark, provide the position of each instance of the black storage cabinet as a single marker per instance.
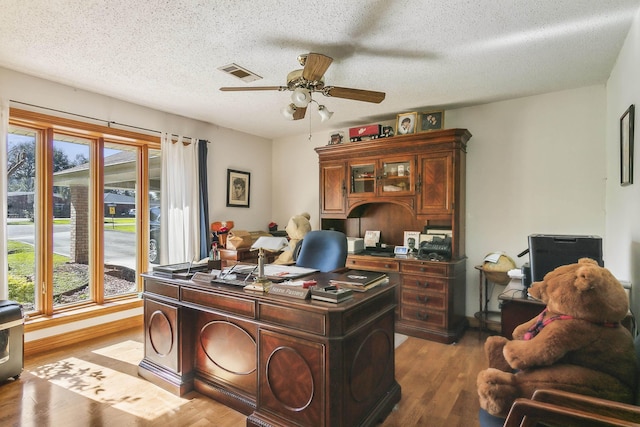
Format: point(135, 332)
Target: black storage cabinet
point(11, 340)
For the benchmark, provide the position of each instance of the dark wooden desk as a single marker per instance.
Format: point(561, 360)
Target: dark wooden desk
point(280, 361)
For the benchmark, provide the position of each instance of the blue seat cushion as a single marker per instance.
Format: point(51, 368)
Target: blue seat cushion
point(488, 420)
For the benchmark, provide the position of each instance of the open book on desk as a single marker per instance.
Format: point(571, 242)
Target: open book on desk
point(286, 272)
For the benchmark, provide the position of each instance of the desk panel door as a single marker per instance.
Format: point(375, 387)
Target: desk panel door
point(226, 352)
point(161, 344)
point(291, 379)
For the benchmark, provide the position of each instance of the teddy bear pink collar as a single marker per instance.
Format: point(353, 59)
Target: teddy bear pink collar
point(542, 322)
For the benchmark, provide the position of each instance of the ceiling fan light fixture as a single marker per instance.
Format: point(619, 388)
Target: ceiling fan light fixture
point(301, 97)
point(288, 111)
point(324, 112)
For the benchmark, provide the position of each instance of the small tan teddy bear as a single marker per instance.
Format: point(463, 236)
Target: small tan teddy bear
point(576, 344)
point(297, 227)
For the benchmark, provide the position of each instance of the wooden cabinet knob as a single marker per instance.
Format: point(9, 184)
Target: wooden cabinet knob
point(422, 316)
point(423, 299)
point(424, 284)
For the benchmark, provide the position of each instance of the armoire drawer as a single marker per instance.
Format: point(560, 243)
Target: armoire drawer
point(426, 300)
point(434, 284)
point(423, 317)
point(424, 267)
point(373, 264)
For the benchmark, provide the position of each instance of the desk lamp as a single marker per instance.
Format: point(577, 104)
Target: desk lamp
point(265, 243)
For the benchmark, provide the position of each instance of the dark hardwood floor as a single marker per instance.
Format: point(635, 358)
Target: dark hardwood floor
point(95, 383)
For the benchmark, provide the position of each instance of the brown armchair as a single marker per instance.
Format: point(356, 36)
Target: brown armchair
point(563, 409)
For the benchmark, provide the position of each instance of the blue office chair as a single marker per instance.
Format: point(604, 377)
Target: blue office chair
point(324, 250)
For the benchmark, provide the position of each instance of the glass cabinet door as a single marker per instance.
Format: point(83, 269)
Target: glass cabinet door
point(363, 178)
point(396, 177)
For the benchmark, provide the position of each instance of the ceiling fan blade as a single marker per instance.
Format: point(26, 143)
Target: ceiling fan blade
point(241, 89)
point(316, 66)
point(355, 94)
point(299, 113)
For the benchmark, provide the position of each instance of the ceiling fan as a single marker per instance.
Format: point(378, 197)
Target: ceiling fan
point(309, 79)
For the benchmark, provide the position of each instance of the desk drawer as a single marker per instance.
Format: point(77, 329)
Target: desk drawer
point(425, 267)
point(164, 289)
point(301, 320)
point(228, 304)
point(373, 264)
point(435, 300)
point(423, 317)
point(434, 284)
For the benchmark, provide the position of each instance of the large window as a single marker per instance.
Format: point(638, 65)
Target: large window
point(76, 194)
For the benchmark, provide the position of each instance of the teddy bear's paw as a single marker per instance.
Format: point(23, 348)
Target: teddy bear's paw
point(493, 349)
point(495, 376)
point(513, 353)
point(496, 391)
point(494, 342)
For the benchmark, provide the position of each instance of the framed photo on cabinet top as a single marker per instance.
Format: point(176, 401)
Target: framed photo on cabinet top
point(238, 188)
point(336, 138)
point(626, 146)
point(406, 123)
point(433, 120)
point(412, 240)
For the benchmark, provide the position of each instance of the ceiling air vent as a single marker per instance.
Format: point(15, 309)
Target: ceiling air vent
point(239, 72)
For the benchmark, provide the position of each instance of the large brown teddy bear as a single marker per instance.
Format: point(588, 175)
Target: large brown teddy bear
point(297, 227)
point(577, 344)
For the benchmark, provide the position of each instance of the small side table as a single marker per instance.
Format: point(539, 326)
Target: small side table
point(516, 310)
point(246, 255)
point(484, 315)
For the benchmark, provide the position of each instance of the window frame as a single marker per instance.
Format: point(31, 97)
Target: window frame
point(47, 126)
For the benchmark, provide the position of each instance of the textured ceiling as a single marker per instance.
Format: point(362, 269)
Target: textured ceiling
point(425, 54)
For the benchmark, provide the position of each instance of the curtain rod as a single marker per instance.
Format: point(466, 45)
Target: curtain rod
point(109, 123)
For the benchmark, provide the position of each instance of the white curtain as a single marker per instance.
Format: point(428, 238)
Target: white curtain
point(179, 218)
point(4, 130)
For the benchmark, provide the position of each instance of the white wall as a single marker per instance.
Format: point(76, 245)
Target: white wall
point(295, 178)
point(228, 149)
point(240, 151)
point(534, 165)
point(623, 203)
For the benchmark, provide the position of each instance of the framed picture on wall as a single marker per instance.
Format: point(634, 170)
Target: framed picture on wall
point(626, 146)
point(238, 188)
